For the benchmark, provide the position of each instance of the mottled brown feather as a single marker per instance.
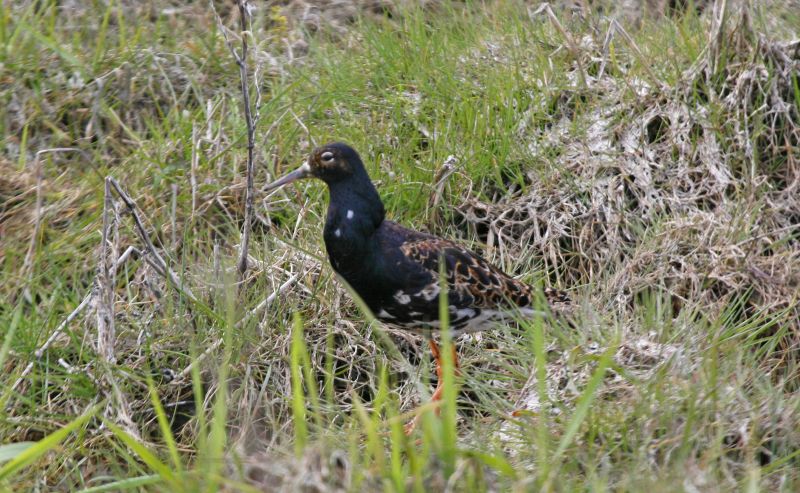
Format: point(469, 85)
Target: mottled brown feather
point(469, 274)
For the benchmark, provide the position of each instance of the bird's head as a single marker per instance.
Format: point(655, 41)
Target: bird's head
point(330, 163)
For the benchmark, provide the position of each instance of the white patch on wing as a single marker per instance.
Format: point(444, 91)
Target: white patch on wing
point(402, 297)
point(465, 312)
point(349, 214)
point(384, 314)
point(338, 232)
point(430, 292)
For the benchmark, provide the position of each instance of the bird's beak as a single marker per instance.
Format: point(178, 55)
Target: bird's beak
point(304, 171)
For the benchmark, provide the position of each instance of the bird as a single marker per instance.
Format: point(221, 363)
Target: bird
point(399, 272)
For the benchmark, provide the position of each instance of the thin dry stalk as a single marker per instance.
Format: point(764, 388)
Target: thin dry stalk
point(440, 180)
point(303, 126)
point(571, 45)
point(606, 50)
point(632, 44)
point(716, 41)
point(105, 284)
point(173, 215)
point(72, 370)
point(159, 263)
point(118, 405)
point(251, 120)
point(27, 265)
point(193, 169)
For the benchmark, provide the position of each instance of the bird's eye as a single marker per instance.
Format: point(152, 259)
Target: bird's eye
point(327, 156)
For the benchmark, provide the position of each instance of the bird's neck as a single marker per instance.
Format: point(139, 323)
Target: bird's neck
point(354, 214)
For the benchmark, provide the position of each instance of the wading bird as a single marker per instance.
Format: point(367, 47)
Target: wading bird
point(396, 270)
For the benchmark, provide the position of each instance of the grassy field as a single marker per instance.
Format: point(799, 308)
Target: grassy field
point(648, 165)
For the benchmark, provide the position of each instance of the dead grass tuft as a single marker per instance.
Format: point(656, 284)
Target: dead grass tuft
point(657, 188)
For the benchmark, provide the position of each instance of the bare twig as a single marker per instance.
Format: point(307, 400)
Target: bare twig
point(105, 284)
point(118, 404)
point(74, 371)
point(606, 50)
point(160, 264)
point(245, 17)
point(268, 301)
point(193, 169)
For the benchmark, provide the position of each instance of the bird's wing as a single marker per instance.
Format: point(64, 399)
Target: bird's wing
point(474, 285)
point(473, 282)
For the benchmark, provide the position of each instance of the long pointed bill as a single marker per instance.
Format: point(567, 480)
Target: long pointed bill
point(304, 171)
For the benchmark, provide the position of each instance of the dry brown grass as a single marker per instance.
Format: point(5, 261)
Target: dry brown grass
point(656, 186)
point(676, 194)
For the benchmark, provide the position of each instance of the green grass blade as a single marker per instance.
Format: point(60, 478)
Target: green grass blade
point(46, 444)
point(125, 484)
point(581, 409)
point(11, 450)
point(536, 328)
point(147, 456)
point(494, 461)
point(298, 396)
point(449, 433)
point(163, 424)
point(214, 454)
point(369, 427)
point(53, 45)
point(12, 329)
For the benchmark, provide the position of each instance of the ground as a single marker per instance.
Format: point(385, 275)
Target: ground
point(642, 155)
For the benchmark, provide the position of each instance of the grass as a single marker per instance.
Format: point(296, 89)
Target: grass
point(660, 193)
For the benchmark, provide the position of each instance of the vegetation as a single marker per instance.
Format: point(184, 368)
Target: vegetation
point(649, 166)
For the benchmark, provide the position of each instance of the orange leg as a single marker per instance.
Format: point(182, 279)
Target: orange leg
point(437, 357)
point(439, 391)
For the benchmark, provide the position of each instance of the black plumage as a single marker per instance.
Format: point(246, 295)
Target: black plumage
point(395, 270)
